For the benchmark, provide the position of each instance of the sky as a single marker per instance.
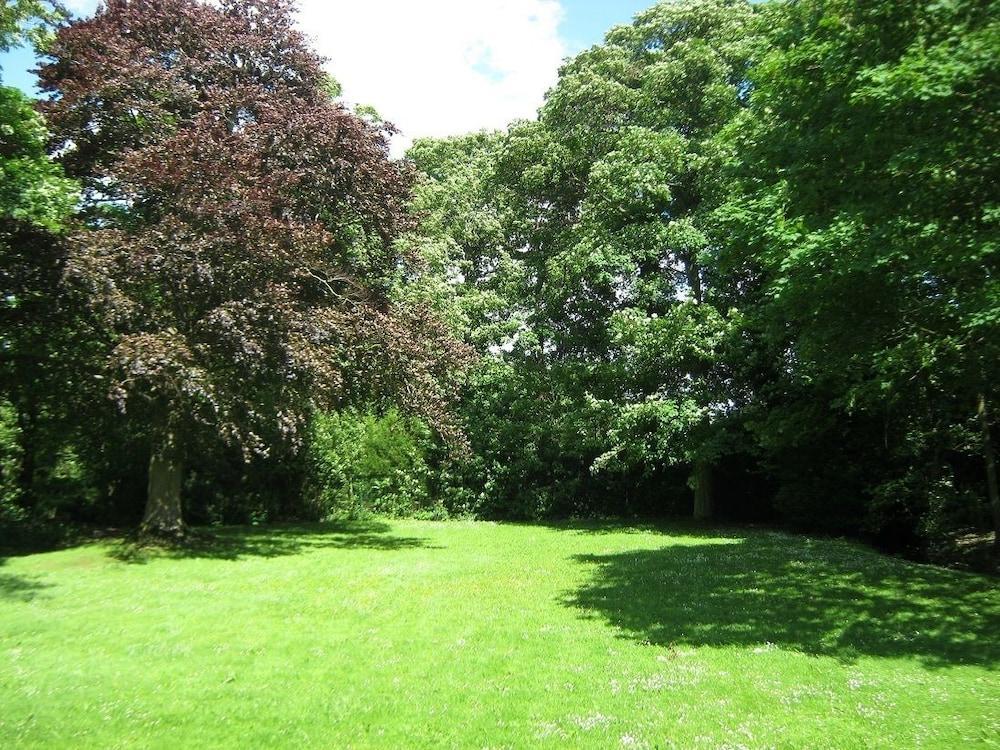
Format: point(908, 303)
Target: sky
point(435, 67)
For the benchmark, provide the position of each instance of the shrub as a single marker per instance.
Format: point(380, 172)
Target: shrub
point(361, 464)
point(10, 466)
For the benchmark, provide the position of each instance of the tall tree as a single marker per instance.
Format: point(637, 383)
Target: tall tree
point(36, 200)
point(865, 235)
point(242, 225)
point(617, 179)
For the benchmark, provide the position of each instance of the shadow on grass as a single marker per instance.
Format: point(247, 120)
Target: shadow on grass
point(19, 588)
point(617, 527)
point(236, 543)
point(819, 598)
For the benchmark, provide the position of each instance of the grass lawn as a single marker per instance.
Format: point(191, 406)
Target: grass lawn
point(475, 635)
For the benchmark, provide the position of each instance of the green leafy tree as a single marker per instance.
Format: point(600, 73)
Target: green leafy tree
point(36, 200)
point(468, 270)
point(28, 21)
point(864, 242)
point(616, 182)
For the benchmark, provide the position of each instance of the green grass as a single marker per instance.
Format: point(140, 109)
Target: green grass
point(418, 634)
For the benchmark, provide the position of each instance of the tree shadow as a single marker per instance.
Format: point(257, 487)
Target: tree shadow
point(819, 598)
point(609, 526)
point(617, 526)
point(236, 543)
point(19, 588)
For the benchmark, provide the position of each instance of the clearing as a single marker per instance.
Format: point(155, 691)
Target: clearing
point(461, 634)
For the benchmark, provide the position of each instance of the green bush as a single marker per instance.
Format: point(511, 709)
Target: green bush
point(10, 466)
point(361, 464)
point(56, 493)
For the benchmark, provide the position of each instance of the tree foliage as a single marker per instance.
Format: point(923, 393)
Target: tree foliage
point(740, 236)
point(241, 226)
point(38, 351)
point(744, 262)
point(863, 220)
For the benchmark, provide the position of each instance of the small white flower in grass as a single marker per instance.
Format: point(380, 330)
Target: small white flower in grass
point(629, 741)
point(550, 729)
point(587, 723)
point(653, 682)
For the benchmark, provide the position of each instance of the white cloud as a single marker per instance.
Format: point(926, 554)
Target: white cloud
point(440, 67)
point(435, 67)
point(81, 7)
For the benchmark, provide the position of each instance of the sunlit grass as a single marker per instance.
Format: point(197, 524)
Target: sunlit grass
point(416, 634)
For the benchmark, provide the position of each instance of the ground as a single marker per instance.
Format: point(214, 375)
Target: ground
point(476, 635)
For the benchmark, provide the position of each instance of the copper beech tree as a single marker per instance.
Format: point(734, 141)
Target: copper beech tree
point(240, 231)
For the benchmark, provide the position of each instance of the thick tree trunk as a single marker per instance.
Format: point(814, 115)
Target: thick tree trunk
point(992, 489)
point(164, 516)
point(701, 483)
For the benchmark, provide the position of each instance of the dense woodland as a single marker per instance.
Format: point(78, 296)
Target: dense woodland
point(743, 266)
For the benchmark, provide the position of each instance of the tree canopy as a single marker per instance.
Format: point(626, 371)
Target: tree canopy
point(742, 265)
point(240, 231)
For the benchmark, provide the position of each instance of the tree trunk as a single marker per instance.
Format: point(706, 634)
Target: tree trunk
point(693, 273)
point(701, 483)
point(991, 470)
point(164, 516)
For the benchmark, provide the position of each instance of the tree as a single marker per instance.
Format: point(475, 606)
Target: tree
point(36, 200)
point(617, 181)
point(573, 250)
point(863, 235)
point(469, 271)
point(241, 232)
point(29, 20)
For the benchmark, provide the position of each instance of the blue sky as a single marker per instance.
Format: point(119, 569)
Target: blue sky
point(459, 65)
point(585, 21)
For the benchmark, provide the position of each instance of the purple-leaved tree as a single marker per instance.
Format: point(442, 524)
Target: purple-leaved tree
point(241, 229)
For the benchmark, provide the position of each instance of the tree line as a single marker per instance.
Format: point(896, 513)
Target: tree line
point(743, 265)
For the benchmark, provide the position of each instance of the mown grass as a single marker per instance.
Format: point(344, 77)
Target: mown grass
point(419, 634)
